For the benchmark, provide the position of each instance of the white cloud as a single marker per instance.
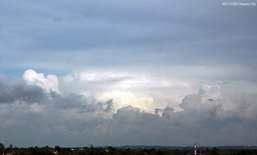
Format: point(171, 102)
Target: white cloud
point(87, 77)
point(68, 79)
point(126, 98)
point(49, 83)
point(209, 93)
point(146, 92)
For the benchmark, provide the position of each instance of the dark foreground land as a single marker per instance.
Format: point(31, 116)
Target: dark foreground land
point(128, 150)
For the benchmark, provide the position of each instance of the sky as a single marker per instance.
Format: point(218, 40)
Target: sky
point(169, 72)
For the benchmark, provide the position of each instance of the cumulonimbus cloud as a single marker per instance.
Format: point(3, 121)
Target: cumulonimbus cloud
point(207, 117)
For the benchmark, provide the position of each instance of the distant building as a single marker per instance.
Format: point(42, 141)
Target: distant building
point(107, 149)
point(55, 151)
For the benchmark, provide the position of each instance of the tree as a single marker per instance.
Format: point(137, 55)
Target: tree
point(11, 147)
point(1, 148)
point(58, 149)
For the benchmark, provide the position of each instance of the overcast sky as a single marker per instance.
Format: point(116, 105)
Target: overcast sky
point(74, 73)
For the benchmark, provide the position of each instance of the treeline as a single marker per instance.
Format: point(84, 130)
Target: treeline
point(114, 151)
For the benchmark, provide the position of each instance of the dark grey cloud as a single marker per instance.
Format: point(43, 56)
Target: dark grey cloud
point(73, 119)
point(45, 115)
point(11, 91)
point(80, 102)
point(208, 123)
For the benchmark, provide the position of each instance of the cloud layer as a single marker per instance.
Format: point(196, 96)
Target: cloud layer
point(127, 72)
point(31, 115)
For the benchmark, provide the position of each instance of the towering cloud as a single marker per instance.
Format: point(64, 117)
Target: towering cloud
point(47, 117)
point(49, 83)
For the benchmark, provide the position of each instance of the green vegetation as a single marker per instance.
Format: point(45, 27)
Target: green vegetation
point(117, 151)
